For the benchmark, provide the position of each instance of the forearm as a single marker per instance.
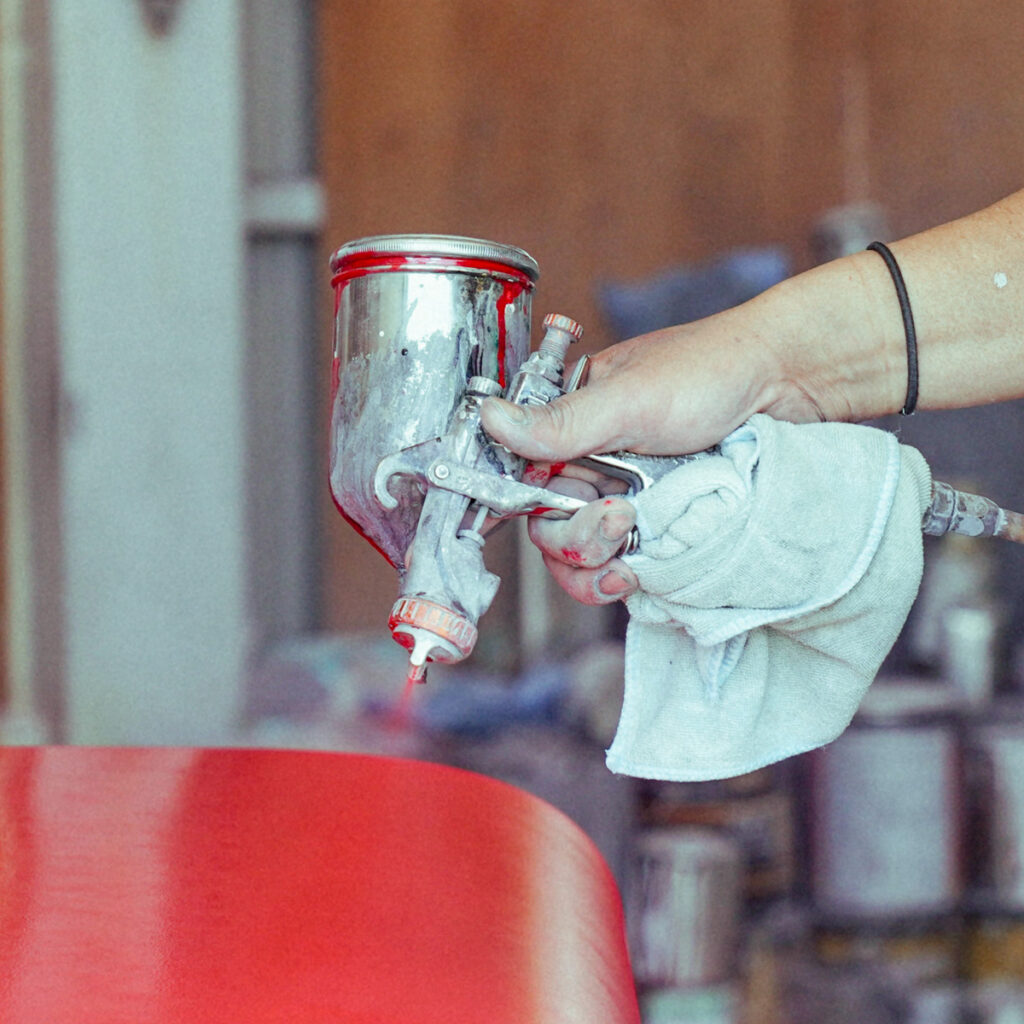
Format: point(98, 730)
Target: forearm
point(840, 342)
point(827, 344)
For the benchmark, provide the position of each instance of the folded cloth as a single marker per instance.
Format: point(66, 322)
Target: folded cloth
point(774, 578)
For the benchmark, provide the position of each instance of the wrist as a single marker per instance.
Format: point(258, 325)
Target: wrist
point(835, 338)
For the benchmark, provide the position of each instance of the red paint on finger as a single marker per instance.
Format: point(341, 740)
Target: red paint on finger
point(572, 556)
point(557, 467)
point(538, 475)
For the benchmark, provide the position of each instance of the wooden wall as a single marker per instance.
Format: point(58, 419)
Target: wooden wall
point(612, 139)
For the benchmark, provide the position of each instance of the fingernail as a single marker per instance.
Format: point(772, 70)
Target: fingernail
point(507, 410)
point(612, 583)
point(615, 525)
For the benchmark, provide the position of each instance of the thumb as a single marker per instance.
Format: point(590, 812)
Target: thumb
point(573, 425)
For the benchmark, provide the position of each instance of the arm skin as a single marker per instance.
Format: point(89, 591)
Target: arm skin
point(827, 344)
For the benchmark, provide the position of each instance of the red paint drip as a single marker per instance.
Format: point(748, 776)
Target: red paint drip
point(335, 378)
point(557, 467)
point(509, 293)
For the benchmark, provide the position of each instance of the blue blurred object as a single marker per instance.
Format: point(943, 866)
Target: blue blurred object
point(483, 707)
point(686, 293)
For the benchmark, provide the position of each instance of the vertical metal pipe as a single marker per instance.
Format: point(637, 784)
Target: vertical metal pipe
point(20, 721)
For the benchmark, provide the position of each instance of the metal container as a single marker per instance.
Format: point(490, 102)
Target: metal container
point(886, 809)
point(756, 810)
point(415, 317)
point(995, 758)
point(683, 907)
point(969, 634)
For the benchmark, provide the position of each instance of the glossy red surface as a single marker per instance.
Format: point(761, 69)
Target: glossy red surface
point(177, 885)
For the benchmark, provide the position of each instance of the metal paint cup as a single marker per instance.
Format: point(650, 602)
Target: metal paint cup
point(416, 316)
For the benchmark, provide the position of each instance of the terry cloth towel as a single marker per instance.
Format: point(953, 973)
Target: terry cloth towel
point(774, 578)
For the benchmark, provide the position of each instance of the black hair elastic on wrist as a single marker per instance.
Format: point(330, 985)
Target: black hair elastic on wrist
point(908, 324)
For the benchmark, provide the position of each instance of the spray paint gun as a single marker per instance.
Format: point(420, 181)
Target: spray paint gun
point(426, 328)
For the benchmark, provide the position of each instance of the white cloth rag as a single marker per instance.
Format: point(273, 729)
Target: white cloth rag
point(774, 578)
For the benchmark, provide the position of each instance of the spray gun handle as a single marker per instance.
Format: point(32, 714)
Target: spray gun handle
point(637, 471)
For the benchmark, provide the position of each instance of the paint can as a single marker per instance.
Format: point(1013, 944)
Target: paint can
point(995, 762)
point(885, 809)
point(683, 907)
point(416, 316)
point(754, 809)
point(968, 652)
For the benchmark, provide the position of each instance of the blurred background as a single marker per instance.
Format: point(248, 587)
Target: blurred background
point(175, 175)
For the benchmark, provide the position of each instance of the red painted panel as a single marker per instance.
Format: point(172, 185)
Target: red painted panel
point(176, 885)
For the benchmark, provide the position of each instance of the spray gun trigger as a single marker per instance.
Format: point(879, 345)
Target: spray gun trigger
point(499, 494)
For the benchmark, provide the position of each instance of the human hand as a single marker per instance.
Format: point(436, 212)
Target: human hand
point(581, 552)
point(824, 345)
point(664, 393)
point(671, 392)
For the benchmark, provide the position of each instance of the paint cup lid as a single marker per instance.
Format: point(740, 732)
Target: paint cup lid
point(439, 246)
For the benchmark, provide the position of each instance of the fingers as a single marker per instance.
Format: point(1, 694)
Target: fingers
point(576, 424)
point(613, 581)
point(580, 552)
point(591, 536)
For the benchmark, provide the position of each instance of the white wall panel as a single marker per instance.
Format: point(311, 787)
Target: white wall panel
point(150, 291)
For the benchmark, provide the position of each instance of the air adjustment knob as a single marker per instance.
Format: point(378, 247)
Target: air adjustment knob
point(561, 322)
